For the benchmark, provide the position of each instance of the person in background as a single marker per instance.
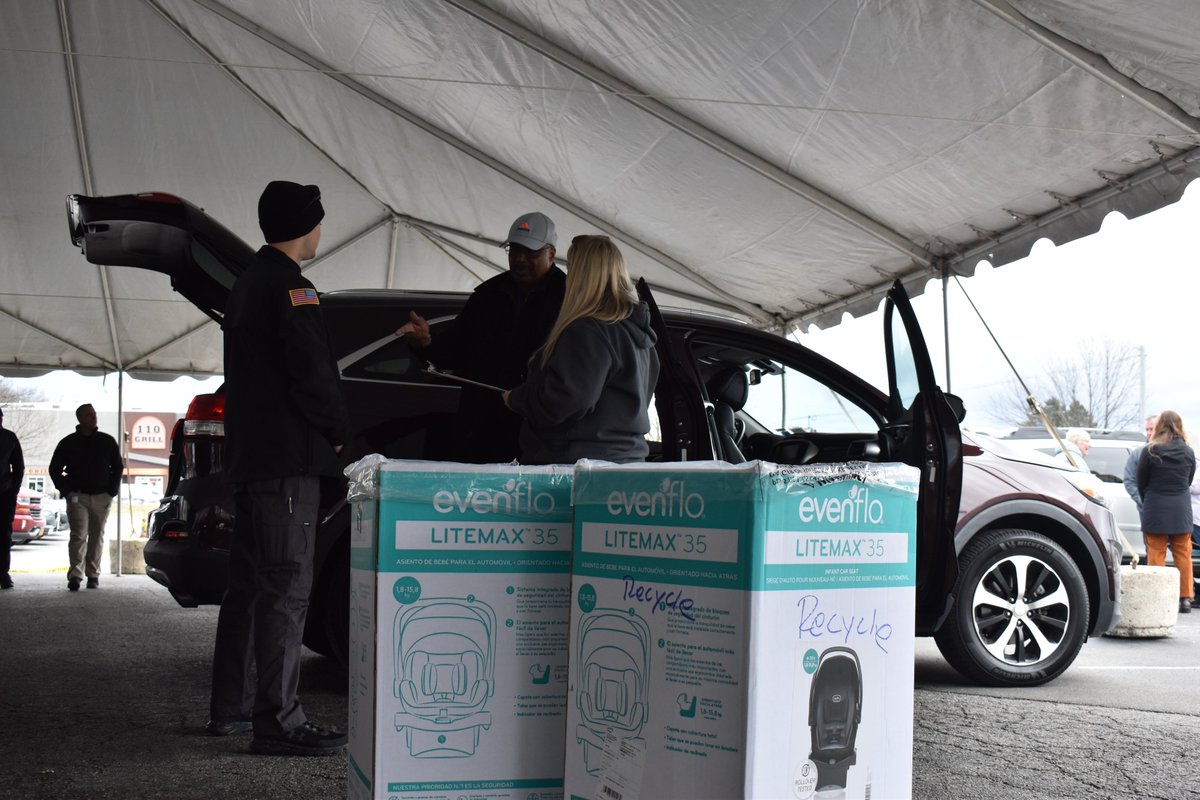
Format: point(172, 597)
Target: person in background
point(1130, 477)
point(12, 476)
point(505, 320)
point(86, 469)
point(1077, 442)
point(1195, 493)
point(589, 387)
point(285, 425)
point(1165, 472)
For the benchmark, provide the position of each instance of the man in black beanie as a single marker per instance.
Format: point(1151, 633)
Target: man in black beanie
point(285, 425)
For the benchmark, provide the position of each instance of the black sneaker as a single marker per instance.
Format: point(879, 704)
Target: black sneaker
point(73, 584)
point(93, 583)
point(218, 727)
point(305, 740)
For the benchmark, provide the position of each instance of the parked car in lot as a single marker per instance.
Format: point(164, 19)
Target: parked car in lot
point(1106, 460)
point(54, 513)
point(1016, 566)
point(27, 519)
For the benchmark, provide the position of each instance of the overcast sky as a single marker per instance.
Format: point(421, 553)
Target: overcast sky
point(1135, 281)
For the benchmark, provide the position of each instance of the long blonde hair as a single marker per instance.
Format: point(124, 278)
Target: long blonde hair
point(1169, 426)
point(598, 286)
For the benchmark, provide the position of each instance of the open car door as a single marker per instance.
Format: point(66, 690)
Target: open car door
point(163, 233)
point(921, 414)
point(675, 395)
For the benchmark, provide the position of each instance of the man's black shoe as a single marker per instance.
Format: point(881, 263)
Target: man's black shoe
point(305, 740)
point(5, 582)
point(1185, 605)
point(93, 583)
point(73, 584)
point(217, 727)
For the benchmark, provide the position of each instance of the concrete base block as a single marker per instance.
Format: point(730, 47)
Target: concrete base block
point(132, 561)
point(1149, 602)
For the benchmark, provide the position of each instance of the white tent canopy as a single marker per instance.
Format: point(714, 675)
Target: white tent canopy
point(781, 161)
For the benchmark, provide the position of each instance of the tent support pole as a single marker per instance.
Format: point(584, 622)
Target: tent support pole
point(85, 164)
point(393, 244)
point(946, 317)
point(124, 458)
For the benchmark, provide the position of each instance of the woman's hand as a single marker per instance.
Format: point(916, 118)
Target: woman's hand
point(416, 329)
point(504, 397)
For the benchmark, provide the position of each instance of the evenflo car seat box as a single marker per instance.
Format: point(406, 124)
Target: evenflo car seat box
point(742, 631)
point(459, 630)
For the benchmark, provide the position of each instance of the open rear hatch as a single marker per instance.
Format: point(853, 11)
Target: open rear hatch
point(164, 233)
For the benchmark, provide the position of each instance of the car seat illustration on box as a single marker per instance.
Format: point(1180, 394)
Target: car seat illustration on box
point(834, 712)
point(445, 654)
point(614, 665)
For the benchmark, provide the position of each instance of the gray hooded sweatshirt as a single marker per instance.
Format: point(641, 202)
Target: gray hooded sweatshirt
point(590, 400)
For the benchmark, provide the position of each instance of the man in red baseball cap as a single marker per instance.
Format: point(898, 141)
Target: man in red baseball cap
point(504, 322)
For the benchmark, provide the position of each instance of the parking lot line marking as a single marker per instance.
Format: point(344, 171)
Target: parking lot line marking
point(1101, 666)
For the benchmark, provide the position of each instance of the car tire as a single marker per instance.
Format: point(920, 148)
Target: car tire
point(1021, 610)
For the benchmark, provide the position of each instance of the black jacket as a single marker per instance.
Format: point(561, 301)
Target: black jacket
point(491, 341)
point(591, 399)
point(12, 463)
point(1164, 475)
point(284, 411)
point(88, 463)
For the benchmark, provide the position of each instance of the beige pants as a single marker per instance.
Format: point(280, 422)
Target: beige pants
point(87, 514)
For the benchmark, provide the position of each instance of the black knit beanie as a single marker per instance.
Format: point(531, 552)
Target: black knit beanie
point(288, 210)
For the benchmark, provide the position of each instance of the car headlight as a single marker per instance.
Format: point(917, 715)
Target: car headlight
point(1087, 485)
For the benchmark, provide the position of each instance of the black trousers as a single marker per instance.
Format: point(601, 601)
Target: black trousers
point(8, 507)
point(261, 623)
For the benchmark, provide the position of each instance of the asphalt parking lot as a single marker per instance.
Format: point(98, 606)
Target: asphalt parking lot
point(104, 694)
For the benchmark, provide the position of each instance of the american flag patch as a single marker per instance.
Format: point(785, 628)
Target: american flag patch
point(304, 297)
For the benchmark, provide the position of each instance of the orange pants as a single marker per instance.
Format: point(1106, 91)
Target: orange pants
point(1181, 551)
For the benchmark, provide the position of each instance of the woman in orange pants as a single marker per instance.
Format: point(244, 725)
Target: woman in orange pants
point(1164, 476)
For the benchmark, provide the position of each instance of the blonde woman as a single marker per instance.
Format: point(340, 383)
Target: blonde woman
point(1164, 476)
point(588, 388)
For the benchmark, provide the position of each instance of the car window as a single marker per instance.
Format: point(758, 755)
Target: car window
point(907, 385)
point(1109, 461)
point(392, 358)
point(790, 401)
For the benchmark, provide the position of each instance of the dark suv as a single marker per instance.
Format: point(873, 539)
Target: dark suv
point(1016, 567)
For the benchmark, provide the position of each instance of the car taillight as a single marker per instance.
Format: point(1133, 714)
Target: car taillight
point(160, 197)
point(205, 416)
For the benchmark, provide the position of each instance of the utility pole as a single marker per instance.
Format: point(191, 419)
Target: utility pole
point(1142, 380)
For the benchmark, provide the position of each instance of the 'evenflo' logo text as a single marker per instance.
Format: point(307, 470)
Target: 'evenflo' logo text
point(856, 509)
point(518, 497)
point(672, 500)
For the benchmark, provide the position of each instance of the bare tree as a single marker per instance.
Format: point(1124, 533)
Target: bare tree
point(30, 427)
point(1096, 387)
point(1111, 380)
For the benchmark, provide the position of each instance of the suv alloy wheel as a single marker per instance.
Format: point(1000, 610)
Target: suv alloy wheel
point(1022, 610)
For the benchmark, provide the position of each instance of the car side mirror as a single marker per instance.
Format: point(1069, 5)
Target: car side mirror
point(956, 405)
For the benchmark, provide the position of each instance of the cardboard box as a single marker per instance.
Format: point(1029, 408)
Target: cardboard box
point(742, 631)
point(459, 630)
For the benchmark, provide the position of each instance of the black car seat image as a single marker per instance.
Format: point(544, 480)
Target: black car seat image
point(728, 390)
point(834, 712)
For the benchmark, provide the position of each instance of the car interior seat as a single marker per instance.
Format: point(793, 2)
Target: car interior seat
point(728, 390)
